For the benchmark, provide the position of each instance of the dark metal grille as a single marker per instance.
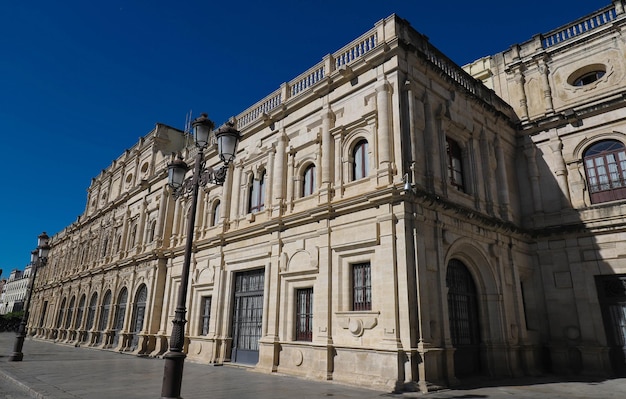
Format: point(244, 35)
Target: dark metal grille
point(120, 312)
point(206, 315)
point(464, 321)
point(104, 314)
point(61, 313)
point(361, 286)
point(612, 296)
point(462, 305)
point(304, 314)
point(139, 312)
point(70, 312)
point(248, 315)
point(91, 312)
point(43, 314)
point(79, 312)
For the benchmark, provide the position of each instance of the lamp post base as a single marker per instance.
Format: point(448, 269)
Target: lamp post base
point(172, 375)
point(16, 357)
point(17, 354)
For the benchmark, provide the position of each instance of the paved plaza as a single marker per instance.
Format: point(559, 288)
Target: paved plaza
point(60, 371)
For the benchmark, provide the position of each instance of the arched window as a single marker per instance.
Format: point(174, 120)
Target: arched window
point(360, 167)
point(79, 312)
point(61, 313)
point(120, 313)
point(256, 201)
point(91, 312)
point(139, 312)
point(605, 166)
point(308, 181)
point(70, 312)
point(215, 220)
point(104, 314)
point(464, 319)
point(455, 164)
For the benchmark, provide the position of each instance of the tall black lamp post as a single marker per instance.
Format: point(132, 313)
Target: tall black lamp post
point(38, 258)
point(227, 138)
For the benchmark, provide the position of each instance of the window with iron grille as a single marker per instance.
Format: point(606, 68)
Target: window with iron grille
point(361, 286)
point(205, 317)
point(304, 314)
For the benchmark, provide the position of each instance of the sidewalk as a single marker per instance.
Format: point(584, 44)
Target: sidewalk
point(59, 371)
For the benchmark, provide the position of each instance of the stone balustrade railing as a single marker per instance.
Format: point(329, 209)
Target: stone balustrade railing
point(311, 77)
point(583, 25)
point(354, 51)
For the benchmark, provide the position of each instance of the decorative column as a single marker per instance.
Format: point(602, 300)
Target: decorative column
point(270, 179)
point(430, 141)
point(523, 101)
point(545, 83)
point(533, 174)
point(279, 175)
point(234, 205)
point(560, 169)
point(502, 182)
point(175, 222)
point(227, 195)
point(383, 89)
point(328, 120)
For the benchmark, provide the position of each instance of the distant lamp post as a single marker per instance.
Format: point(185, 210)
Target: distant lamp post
point(38, 258)
point(227, 139)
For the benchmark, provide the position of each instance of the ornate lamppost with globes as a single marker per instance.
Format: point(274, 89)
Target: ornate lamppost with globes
point(38, 258)
point(227, 139)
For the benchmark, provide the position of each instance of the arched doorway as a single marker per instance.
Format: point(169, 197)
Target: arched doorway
point(91, 312)
point(104, 315)
point(464, 319)
point(139, 312)
point(120, 313)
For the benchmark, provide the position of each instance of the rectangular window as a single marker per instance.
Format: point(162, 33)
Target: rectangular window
point(206, 315)
point(304, 314)
point(361, 286)
point(455, 164)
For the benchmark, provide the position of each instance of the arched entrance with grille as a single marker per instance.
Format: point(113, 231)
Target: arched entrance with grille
point(104, 316)
point(139, 312)
point(120, 313)
point(464, 319)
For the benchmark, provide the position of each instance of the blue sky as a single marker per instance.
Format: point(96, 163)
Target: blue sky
point(81, 81)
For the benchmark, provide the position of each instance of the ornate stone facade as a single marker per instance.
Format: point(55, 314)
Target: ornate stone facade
point(389, 221)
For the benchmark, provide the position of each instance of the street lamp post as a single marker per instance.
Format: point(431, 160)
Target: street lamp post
point(38, 258)
point(227, 138)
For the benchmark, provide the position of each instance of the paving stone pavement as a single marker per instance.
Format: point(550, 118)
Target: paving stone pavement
point(60, 371)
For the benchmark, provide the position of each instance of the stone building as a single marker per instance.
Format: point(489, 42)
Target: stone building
point(13, 291)
point(391, 220)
